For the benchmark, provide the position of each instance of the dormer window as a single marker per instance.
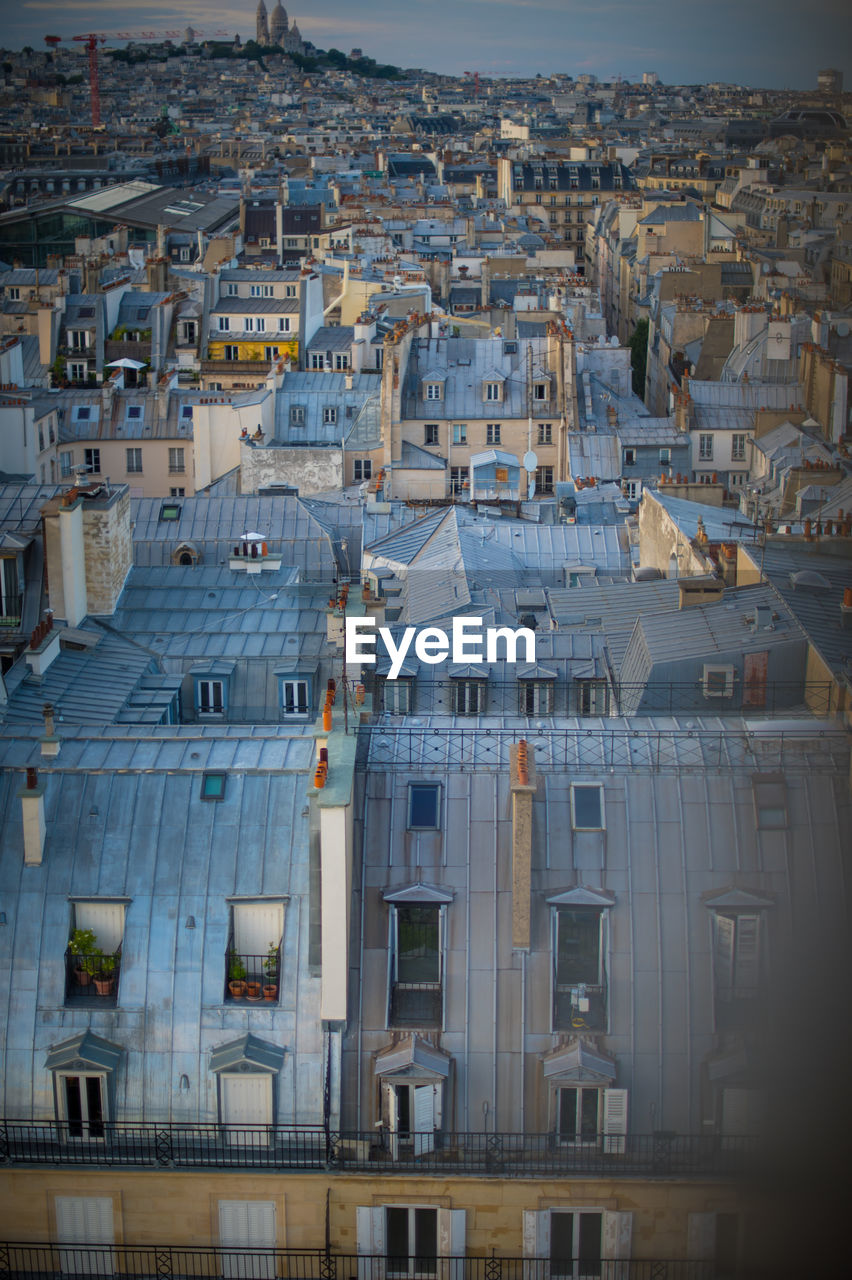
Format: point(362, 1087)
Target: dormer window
point(433, 391)
point(493, 391)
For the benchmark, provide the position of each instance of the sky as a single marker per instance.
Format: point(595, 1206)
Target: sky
point(760, 43)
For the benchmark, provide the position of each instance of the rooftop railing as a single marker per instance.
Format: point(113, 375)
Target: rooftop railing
point(157, 1146)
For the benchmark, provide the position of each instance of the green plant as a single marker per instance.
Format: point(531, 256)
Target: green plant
point(84, 943)
point(270, 964)
point(236, 968)
point(105, 965)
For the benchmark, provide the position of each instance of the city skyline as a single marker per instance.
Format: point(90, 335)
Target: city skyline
point(760, 45)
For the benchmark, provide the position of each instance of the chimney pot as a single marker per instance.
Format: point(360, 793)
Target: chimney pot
point(32, 778)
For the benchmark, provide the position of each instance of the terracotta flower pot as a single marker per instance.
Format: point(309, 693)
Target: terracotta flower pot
point(253, 991)
point(105, 986)
point(237, 989)
point(270, 992)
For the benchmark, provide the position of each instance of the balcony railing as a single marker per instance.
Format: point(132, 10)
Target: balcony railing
point(416, 1004)
point(252, 978)
point(10, 611)
point(92, 979)
point(283, 1147)
point(177, 1262)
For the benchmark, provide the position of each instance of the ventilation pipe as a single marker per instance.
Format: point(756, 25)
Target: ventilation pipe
point(523, 786)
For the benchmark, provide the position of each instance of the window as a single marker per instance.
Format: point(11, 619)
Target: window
point(431, 433)
point(628, 458)
point(770, 801)
point(10, 599)
point(575, 1243)
point(329, 415)
point(66, 464)
point(289, 291)
point(717, 681)
point(213, 786)
point(270, 353)
point(175, 493)
point(578, 1114)
point(536, 697)
point(416, 997)
point(411, 1238)
point(738, 448)
point(283, 324)
point(297, 415)
point(424, 806)
point(82, 1224)
point(341, 360)
point(545, 433)
point(411, 1241)
point(362, 469)
point(737, 966)
point(592, 698)
point(459, 481)
point(493, 391)
point(232, 290)
point(665, 457)
point(705, 447)
point(254, 949)
point(396, 697)
point(224, 323)
point(40, 438)
point(210, 697)
point(14, 293)
point(579, 992)
point(170, 510)
point(248, 1225)
point(231, 351)
point(176, 460)
point(541, 391)
point(134, 459)
point(459, 433)
point(468, 697)
point(544, 479)
point(134, 412)
point(433, 391)
point(295, 697)
point(93, 957)
point(92, 460)
point(587, 807)
point(186, 413)
point(248, 324)
point(492, 433)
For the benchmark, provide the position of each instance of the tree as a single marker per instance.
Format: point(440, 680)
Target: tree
point(639, 357)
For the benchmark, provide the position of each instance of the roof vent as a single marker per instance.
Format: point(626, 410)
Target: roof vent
point(809, 580)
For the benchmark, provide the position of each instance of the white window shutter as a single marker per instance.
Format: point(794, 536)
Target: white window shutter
point(390, 1116)
point(701, 1237)
point(536, 1234)
point(256, 925)
point(723, 957)
point(617, 1232)
point(370, 1241)
point(747, 955)
point(85, 1220)
point(424, 1118)
point(105, 919)
point(451, 1241)
point(615, 1120)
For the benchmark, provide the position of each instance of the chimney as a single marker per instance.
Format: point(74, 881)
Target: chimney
point(73, 564)
point(88, 550)
point(50, 742)
point(522, 781)
point(32, 806)
point(846, 609)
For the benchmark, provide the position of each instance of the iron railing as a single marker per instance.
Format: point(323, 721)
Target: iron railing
point(252, 978)
point(626, 746)
point(579, 1007)
point(416, 1004)
point(157, 1146)
point(10, 611)
point(179, 1262)
point(92, 979)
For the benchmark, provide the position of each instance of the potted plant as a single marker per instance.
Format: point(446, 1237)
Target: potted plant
point(84, 944)
point(270, 968)
point(236, 975)
point(104, 974)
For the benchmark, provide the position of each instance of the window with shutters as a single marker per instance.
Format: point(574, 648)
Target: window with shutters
point(579, 1114)
point(412, 1239)
point(536, 697)
point(577, 1242)
point(85, 1229)
point(579, 984)
point(249, 1226)
point(93, 955)
point(253, 957)
point(738, 970)
point(411, 1115)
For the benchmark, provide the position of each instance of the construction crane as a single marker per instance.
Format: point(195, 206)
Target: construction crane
point(475, 75)
point(93, 38)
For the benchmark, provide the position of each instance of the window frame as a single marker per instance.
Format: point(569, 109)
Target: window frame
point(588, 786)
point(460, 433)
point(431, 434)
point(492, 432)
point(541, 690)
point(92, 461)
point(136, 460)
point(214, 710)
point(433, 1019)
point(462, 691)
point(297, 681)
point(705, 446)
point(433, 391)
point(435, 789)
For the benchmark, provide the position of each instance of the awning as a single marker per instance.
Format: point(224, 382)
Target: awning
point(579, 1061)
point(412, 1056)
point(82, 1051)
point(247, 1053)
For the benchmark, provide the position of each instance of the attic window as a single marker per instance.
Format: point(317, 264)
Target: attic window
point(186, 412)
point(84, 313)
point(717, 682)
point(83, 413)
point(134, 411)
point(170, 511)
point(213, 786)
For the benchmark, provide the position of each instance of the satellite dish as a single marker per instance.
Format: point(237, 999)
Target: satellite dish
point(530, 461)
